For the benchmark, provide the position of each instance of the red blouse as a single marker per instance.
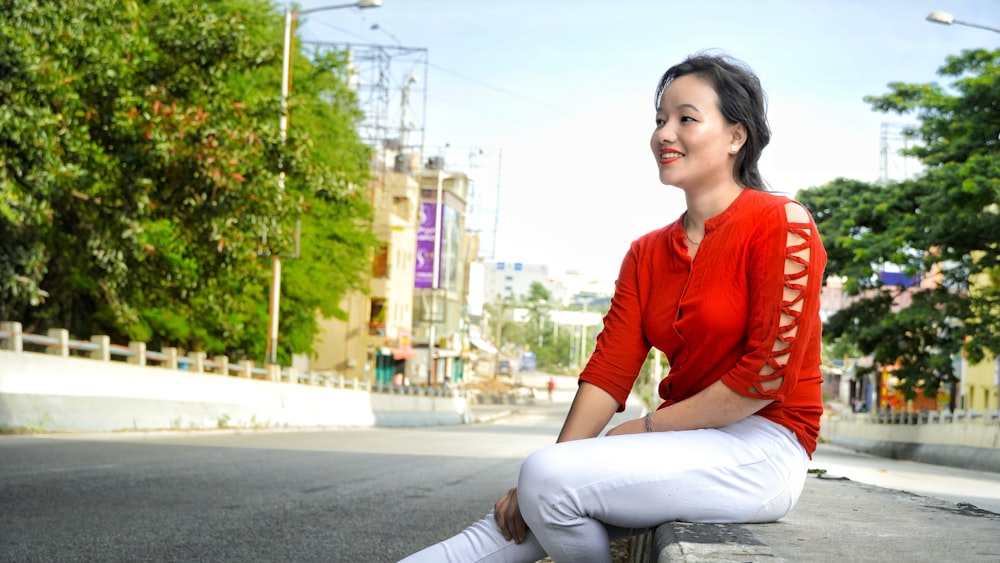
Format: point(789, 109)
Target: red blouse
point(747, 304)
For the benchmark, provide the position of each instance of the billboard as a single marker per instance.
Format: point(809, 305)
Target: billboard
point(426, 230)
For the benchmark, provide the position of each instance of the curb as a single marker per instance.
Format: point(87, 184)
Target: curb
point(837, 519)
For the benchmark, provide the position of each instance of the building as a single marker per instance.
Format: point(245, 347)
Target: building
point(512, 280)
point(441, 273)
point(376, 340)
point(413, 325)
point(980, 383)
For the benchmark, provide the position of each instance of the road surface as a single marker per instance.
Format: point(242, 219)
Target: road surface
point(322, 495)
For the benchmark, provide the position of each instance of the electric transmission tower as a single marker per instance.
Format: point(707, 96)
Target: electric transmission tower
point(893, 165)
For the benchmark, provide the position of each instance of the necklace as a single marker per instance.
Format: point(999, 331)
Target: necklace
point(686, 235)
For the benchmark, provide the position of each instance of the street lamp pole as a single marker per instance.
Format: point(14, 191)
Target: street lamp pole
point(436, 273)
point(291, 16)
point(945, 18)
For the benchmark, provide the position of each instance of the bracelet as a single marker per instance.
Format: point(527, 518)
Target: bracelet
point(649, 421)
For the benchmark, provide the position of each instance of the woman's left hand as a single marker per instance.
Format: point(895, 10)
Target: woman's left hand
point(637, 426)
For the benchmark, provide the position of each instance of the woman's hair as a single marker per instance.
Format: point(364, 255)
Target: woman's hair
point(741, 100)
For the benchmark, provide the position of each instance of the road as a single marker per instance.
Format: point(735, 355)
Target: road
point(323, 495)
point(347, 495)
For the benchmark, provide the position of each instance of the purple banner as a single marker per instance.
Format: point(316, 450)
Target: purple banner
point(424, 278)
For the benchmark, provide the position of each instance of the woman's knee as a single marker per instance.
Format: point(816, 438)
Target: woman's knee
point(543, 467)
point(545, 481)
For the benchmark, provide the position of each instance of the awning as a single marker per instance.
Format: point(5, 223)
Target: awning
point(403, 354)
point(397, 353)
point(483, 345)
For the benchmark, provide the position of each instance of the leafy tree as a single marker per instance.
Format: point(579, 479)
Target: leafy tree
point(540, 336)
point(942, 225)
point(554, 346)
point(139, 165)
point(337, 241)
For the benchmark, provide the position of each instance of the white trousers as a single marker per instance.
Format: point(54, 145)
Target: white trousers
point(578, 496)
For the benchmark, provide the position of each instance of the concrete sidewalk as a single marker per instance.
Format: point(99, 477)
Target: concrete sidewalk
point(840, 520)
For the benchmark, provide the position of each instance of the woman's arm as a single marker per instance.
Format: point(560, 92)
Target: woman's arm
point(590, 412)
point(769, 368)
point(714, 407)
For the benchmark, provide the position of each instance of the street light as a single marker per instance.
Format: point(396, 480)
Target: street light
point(436, 271)
point(947, 19)
point(291, 15)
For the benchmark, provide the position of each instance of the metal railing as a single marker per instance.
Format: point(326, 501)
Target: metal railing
point(924, 417)
point(57, 342)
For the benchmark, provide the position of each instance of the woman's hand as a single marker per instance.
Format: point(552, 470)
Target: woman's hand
point(637, 426)
point(508, 517)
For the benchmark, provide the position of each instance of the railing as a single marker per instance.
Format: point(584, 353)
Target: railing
point(924, 417)
point(57, 342)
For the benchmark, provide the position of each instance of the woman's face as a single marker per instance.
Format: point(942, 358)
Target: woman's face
point(693, 141)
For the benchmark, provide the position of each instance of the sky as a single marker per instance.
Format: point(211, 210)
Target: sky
point(562, 92)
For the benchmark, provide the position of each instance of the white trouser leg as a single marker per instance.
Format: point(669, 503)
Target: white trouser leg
point(480, 542)
point(572, 493)
point(578, 496)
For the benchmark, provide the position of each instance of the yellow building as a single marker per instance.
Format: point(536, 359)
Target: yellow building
point(981, 381)
point(980, 385)
point(376, 341)
point(416, 308)
point(440, 294)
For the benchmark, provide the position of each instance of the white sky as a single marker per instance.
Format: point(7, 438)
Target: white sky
point(564, 88)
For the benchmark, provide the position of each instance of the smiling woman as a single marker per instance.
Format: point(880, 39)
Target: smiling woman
point(730, 293)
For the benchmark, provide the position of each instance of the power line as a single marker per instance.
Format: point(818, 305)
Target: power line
point(454, 73)
point(495, 88)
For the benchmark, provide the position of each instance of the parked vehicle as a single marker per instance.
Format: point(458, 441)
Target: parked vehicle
point(529, 362)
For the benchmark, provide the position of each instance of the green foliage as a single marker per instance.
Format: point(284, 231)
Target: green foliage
point(920, 339)
point(942, 226)
point(955, 124)
point(139, 173)
point(556, 347)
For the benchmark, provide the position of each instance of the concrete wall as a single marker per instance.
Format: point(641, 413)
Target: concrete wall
point(80, 394)
point(68, 393)
point(963, 440)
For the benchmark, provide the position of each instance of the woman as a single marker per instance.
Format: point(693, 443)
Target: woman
point(730, 293)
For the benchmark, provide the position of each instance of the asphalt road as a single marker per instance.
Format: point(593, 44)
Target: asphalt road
point(357, 495)
point(353, 495)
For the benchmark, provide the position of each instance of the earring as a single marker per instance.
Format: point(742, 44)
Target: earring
point(734, 149)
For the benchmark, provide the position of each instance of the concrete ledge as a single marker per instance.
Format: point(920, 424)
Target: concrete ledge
point(966, 457)
point(971, 430)
point(47, 392)
point(840, 520)
point(517, 397)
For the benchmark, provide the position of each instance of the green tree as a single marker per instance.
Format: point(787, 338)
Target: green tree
point(337, 240)
point(139, 165)
point(540, 335)
point(556, 348)
point(943, 224)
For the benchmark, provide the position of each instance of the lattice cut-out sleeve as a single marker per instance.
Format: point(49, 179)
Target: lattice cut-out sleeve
point(785, 274)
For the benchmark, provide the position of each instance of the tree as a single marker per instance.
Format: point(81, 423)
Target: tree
point(139, 164)
point(555, 348)
point(943, 224)
point(540, 335)
point(337, 240)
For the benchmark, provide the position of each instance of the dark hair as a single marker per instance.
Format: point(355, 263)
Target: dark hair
point(741, 100)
